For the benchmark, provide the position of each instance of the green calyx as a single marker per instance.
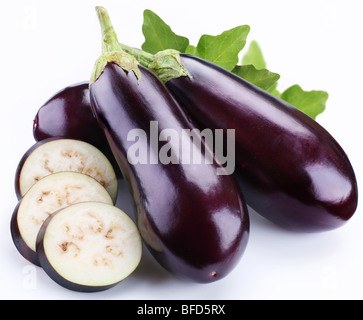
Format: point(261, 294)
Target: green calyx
point(166, 64)
point(111, 50)
point(122, 59)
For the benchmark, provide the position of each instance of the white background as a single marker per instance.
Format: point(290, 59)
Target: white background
point(47, 45)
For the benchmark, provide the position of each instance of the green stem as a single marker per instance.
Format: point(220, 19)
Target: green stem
point(109, 37)
point(165, 64)
point(144, 58)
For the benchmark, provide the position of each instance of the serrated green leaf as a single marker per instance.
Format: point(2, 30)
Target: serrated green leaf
point(310, 102)
point(159, 36)
point(254, 56)
point(263, 79)
point(222, 49)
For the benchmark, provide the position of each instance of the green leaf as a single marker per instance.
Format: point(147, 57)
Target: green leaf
point(191, 50)
point(254, 56)
point(263, 79)
point(310, 102)
point(222, 49)
point(159, 36)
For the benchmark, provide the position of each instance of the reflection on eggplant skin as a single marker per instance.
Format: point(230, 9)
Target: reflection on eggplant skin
point(146, 230)
point(223, 219)
point(328, 184)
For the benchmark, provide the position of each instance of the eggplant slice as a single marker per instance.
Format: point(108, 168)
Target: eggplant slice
point(50, 194)
point(89, 246)
point(56, 155)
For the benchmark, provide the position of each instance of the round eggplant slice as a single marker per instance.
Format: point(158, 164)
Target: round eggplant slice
point(89, 246)
point(56, 155)
point(48, 195)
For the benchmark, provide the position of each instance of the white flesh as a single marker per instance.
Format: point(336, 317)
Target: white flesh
point(68, 155)
point(92, 244)
point(52, 193)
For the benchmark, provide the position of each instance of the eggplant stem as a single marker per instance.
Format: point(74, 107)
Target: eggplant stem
point(166, 64)
point(143, 57)
point(109, 37)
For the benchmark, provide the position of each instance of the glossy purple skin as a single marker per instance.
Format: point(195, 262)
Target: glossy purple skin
point(68, 114)
point(199, 219)
point(292, 170)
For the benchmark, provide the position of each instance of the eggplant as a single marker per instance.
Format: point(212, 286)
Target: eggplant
point(292, 171)
point(58, 154)
point(89, 246)
point(68, 114)
point(194, 222)
point(45, 197)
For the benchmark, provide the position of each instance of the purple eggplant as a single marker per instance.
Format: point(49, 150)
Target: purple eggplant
point(292, 171)
point(68, 115)
point(194, 222)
